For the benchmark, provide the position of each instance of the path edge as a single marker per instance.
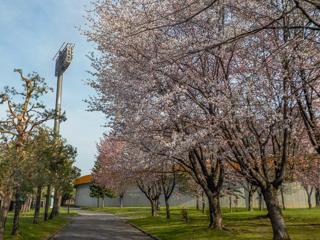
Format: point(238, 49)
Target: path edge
point(59, 230)
point(143, 231)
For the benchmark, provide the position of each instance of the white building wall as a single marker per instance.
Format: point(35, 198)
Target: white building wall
point(294, 196)
point(83, 198)
point(133, 197)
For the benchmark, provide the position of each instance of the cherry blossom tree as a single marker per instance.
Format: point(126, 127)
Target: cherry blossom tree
point(188, 186)
point(307, 173)
point(150, 186)
point(110, 171)
point(208, 84)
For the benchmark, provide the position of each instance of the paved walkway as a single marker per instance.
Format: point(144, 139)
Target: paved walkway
point(97, 226)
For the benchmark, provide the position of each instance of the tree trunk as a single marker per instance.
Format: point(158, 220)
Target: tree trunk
point(27, 204)
point(30, 203)
point(197, 202)
point(309, 201)
point(47, 204)
point(5, 209)
point(68, 206)
point(167, 207)
point(230, 203)
point(275, 215)
point(103, 202)
point(37, 206)
point(203, 203)
point(282, 198)
point(59, 203)
point(260, 201)
point(98, 202)
point(56, 205)
point(16, 217)
point(5, 205)
point(23, 207)
point(121, 201)
point(309, 195)
point(153, 208)
point(250, 197)
point(158, 205)
point(317, 196)
point(215, 212)
point(1, 231)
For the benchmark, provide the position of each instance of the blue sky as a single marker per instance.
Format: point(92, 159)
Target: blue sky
point(31, 31)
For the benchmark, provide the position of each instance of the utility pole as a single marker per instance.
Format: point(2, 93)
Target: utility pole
point(63, 60)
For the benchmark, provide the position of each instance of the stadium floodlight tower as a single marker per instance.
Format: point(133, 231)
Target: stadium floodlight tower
point(63, 60)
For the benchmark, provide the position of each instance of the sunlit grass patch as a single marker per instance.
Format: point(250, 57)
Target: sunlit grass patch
point(303, 224)
point(30, 231)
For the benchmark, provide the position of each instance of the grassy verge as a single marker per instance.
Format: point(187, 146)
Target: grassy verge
point(303, 224)
point(30, 231)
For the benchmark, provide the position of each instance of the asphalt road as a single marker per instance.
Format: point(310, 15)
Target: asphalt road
point(98, 226)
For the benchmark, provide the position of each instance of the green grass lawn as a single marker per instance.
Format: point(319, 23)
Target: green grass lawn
point(302, 224)
point(29, 231)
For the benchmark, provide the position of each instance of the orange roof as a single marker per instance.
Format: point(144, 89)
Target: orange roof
point(83, 180)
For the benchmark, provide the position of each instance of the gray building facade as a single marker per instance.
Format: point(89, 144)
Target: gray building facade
point(294, 196)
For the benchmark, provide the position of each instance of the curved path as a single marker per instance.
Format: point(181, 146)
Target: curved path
point(97, 226)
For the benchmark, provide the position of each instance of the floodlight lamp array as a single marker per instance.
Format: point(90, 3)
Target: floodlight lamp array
point(64, 58)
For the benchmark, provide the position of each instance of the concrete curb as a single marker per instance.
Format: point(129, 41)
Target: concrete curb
point(141, 230)
point(59, 230)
